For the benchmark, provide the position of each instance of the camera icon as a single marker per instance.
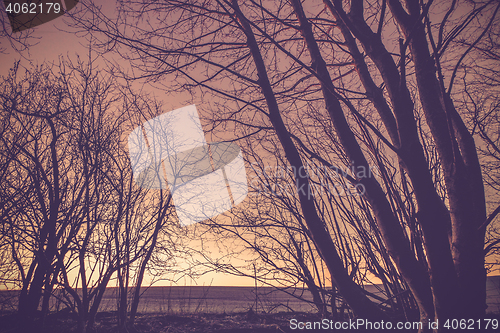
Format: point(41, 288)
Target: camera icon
point(205, 179)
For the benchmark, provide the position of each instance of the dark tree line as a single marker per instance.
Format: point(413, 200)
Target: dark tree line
point(317, 95)
point(73, 220)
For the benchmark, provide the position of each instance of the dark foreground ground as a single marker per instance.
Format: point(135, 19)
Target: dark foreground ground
point(248, 322)
point(188, 309)
point(158, 323)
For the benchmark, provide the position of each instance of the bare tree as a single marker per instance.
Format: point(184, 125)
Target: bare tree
point(297, 72)
point(73, 217)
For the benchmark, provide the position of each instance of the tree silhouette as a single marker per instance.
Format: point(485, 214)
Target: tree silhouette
point(354, 85)
point(73, 219)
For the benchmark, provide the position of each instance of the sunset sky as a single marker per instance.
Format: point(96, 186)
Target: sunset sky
point(53, 41)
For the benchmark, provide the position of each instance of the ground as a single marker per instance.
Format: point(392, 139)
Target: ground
point(248, 322)
point(159, 323)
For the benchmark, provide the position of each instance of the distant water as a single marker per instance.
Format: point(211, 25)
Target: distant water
point(198, 299)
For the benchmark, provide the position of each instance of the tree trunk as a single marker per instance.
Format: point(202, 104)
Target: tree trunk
point(162, 211)
point(393, 236)
point(352, 293)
